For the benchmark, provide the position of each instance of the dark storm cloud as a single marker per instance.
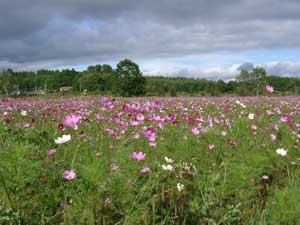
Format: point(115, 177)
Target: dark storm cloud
point(62, 32)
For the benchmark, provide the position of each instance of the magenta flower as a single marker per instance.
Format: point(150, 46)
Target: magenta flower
point(138, 156)
point(150, 134)
point(111, 132)
point(72, 121)
point(51, 152)
point(269, 89)
point(232, 142)
point(286, 119)
point(61, 127)
point(69, 175)
point(265, 177)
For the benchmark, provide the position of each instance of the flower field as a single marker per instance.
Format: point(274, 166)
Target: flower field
point(181, 160)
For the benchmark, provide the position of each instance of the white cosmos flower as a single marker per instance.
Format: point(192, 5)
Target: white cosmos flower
point(168, 160)
point(63, 139)
point(24, 113)
point(281, 151)
point(239, 103)
point(180, 187)
point(251, 116)
point(167, 167)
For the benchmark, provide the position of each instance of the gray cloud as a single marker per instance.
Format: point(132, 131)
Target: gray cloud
point(246, 66)
point(68, 32)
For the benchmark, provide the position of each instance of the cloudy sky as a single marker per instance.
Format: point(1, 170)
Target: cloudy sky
point(193, 38)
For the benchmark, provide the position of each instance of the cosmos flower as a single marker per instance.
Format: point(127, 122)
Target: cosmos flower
point(281, 151)
point(140, 156)
point(63, 139)
point(211, 147)
point(113, 167)
point(223, 133)
point(269, 89)
point(24, 113)
point(195, 131)
point(69, 175)
point(285, 119)
point(107, 201)
point(232, 142)
point(72, 121)
point(240, 104)
point(273, 137)
point(51, 152)
point(265, 177)
point(61, 127)
point(167, 167)
point(180, 187)
point(111, 132)
point(145, 169)
point(251, 116)
point(253, 127)
point(168, 160)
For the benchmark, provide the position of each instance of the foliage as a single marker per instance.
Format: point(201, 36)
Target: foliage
point(127, 80)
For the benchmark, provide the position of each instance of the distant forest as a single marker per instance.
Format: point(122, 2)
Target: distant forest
point(127, 80)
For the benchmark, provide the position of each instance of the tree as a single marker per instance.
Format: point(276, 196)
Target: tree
point(107, 69)
point(8, 81)
point(128, 79)
point(256, 79)
point(259, 76)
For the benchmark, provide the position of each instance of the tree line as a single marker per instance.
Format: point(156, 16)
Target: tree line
point(127, 80)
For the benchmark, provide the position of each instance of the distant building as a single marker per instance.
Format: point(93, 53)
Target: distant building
point(63, 89)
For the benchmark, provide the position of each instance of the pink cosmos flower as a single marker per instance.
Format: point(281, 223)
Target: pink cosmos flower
point(253, 127)
point(145, 169)
point(140, 117)
point(265, 177)
point(152, 144)
point(285, 118)
point(111, 132)
point(107, 201)
point(195, 131)
point(136, 136)
point(51, 152)
point(273, 137)
point(99, 116)
point(269, 89)
point(69, 175)
point(263, 145)
point(140, 156)
point(211, 146)
point(72, 121)
point(150, 134)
